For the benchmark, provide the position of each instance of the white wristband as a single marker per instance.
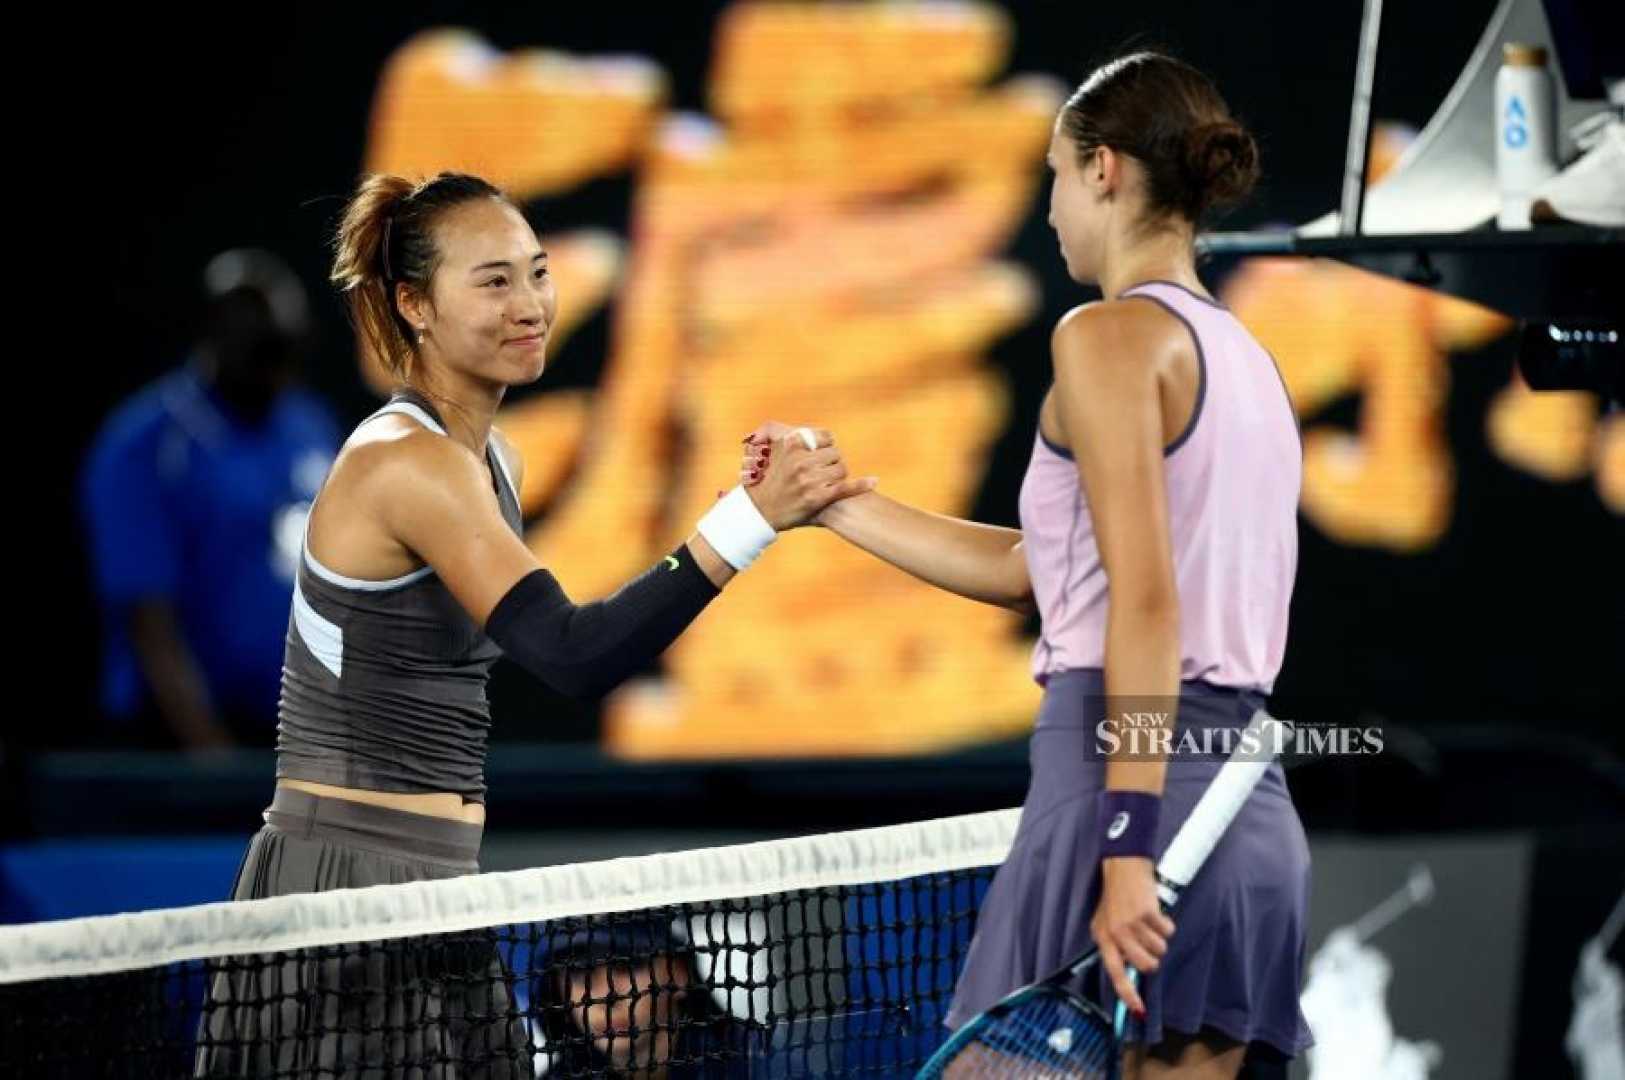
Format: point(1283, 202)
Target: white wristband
point(736, 529)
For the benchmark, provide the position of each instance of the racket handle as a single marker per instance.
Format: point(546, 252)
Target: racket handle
point(1260, 742)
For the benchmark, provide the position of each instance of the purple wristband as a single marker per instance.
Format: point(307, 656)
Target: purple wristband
point(1128, 823)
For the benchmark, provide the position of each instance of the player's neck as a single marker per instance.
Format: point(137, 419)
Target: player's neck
point(1165, 256)
point(467, 407)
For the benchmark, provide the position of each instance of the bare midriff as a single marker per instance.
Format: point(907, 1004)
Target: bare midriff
point(441, 804)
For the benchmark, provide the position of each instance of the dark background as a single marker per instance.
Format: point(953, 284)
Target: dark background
point(164, 137)
point(202, 136)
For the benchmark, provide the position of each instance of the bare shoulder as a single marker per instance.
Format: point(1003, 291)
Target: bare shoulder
point(396, 459)
point(1113, 339)
point(391, 471)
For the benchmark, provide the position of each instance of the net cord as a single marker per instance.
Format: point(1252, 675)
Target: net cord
point(106, 944)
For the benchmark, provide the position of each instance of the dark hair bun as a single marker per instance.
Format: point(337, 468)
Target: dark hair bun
point(1171, 119)
point(1221, 160)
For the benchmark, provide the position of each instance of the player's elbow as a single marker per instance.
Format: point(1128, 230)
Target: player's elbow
point(1016, 584)
point(577, 683)
point(577, 673)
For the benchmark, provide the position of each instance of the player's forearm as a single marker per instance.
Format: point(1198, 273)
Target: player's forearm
point(178, 688)
point(586, 650)
point(1142, 678)
point(981, 562)
point(712, 565)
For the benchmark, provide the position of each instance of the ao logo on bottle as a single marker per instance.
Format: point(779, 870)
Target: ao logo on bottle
point(1516, 128)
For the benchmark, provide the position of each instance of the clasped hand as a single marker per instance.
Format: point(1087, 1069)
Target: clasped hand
point(790, 483)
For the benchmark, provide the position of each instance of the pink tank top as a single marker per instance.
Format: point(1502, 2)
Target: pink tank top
point(1232, 479)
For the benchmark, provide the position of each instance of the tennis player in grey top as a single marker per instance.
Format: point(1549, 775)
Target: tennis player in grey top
point(414, 573)
point(413, 579)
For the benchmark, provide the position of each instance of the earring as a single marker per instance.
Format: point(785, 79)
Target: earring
point(420, 335)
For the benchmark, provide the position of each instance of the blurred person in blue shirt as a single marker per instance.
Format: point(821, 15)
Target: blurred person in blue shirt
point(194, 495)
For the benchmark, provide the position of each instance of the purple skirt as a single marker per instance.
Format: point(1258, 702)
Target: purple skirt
point(1235, 961)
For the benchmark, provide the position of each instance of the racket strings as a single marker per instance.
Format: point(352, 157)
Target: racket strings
point(1044, 1039)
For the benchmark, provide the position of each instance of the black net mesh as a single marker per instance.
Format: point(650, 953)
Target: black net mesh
point(838, 981)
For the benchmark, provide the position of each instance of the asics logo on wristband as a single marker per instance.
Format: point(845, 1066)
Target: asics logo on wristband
point(1118, 826)
point(671, 562)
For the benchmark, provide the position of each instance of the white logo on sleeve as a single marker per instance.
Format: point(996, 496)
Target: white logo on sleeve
point(1060, 1040)
point(1119, 825)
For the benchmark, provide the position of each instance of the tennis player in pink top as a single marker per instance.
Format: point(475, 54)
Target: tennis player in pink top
point(1158, 543)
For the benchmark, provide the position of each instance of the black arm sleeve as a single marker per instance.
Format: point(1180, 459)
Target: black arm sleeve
point(585, 650)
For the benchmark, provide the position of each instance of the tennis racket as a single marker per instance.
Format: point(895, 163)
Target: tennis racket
point(1044, 1031)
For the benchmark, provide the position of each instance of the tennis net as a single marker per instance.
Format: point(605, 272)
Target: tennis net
point(830, 955)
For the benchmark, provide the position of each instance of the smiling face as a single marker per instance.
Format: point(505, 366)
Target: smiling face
point(492, 302)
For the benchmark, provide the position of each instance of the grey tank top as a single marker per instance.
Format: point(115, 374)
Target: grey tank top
point(383, 682)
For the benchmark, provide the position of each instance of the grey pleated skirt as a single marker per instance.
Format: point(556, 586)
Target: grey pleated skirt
point(437, 1008)
point(1235, 961)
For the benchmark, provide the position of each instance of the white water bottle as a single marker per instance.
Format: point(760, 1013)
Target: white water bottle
point(1525, 130)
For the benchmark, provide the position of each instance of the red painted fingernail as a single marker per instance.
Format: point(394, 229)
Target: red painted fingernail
point(755, 473)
